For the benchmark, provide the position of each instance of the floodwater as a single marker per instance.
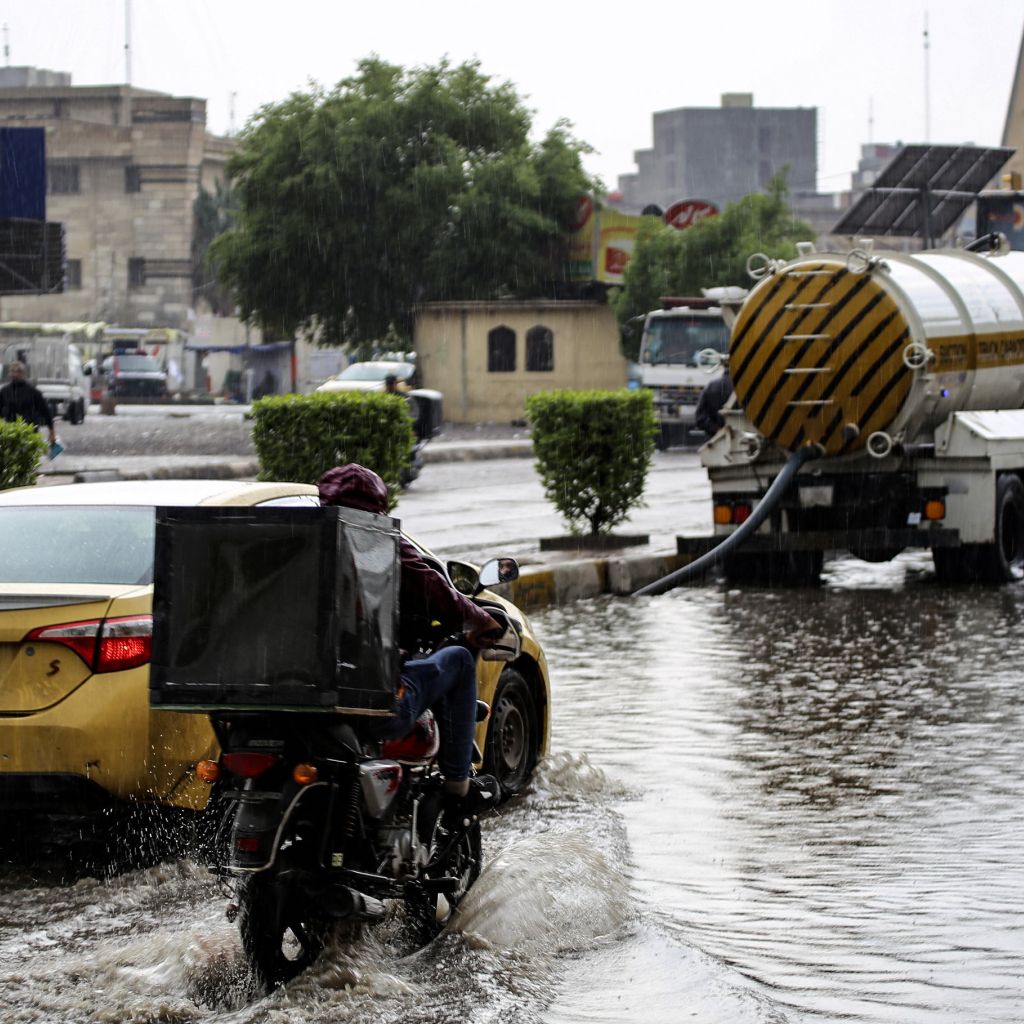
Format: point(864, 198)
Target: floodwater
point(761, 806)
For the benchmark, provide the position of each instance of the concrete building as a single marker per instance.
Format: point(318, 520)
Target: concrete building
point(1013, 128)
point(124, 168)
point(721, 154)
point(487, 357)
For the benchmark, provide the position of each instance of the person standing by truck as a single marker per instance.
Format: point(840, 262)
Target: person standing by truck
point(21, 400)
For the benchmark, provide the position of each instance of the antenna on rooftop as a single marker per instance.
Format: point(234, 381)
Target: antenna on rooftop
point(927, 85)
point(7, 47)
point(871, 119)
point(127, 42)
point(231, 114)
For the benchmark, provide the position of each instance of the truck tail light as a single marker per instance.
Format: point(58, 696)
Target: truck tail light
point(726, 514)
point(105, 645)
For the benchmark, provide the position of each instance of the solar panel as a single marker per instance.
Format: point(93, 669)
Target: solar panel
point(922, 191)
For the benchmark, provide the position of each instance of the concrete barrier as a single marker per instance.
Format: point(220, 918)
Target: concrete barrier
point(571, 581)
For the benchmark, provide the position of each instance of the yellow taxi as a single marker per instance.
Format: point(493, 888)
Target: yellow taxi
point(78, 741)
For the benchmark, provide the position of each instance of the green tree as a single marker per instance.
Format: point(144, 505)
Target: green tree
point(212, 213)
point(395, 187)
point(712, 253)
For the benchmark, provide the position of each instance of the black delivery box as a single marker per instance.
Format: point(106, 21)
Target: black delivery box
point(284, 607)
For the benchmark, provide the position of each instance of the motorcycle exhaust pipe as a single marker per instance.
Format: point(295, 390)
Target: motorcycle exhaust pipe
point(345, 903)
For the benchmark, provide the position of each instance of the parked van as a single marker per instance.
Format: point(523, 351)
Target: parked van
point(52, 355)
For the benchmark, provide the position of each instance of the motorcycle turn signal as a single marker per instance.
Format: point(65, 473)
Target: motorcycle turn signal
point(208, 771)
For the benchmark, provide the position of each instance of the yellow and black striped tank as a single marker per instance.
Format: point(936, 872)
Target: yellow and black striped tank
point(828, 349)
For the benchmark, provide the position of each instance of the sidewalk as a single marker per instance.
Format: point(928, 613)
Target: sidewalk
point(547, 577)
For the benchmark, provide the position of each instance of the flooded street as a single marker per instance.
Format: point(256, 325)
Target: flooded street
point(761, 806)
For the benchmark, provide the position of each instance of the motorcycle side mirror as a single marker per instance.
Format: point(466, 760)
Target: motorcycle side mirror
point(466, 579)
point(497, 571)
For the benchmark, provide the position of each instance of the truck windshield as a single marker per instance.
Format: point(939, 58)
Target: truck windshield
point(136, 364)
point(679, 339)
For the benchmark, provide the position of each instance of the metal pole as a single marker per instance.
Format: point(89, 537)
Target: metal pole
point(128, 42)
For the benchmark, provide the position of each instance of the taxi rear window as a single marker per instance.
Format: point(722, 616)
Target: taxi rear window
point(76, 544)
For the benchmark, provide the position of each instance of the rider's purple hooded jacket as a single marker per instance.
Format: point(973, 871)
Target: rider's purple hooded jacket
point(424, 592)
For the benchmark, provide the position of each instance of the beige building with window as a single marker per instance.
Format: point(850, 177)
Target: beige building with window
point(487, 357)
point(124, 168)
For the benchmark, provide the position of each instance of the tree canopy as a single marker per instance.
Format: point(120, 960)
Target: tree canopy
point(711, 253)
point(393, 188)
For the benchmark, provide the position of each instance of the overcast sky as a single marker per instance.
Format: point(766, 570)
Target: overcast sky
point(606, 67)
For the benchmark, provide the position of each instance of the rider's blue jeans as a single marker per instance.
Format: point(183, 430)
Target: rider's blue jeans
point(445, 682)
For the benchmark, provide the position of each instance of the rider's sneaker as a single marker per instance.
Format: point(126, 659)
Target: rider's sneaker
point(484, 793)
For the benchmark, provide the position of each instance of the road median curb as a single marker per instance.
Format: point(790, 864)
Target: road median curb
point(571, 581)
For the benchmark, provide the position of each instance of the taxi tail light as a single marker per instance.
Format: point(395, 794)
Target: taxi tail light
point(248, 765)
point(105, 645)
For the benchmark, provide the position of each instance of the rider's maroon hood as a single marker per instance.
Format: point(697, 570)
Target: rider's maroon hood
point(353, 486)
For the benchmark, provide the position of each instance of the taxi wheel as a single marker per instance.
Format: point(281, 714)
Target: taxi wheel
point(512, 735)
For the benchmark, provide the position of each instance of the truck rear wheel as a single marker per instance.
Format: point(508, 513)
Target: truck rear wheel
point(1002, 561)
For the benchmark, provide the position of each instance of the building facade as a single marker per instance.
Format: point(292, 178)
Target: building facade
point(124, 168)
point(487, 357)
point(721, 154)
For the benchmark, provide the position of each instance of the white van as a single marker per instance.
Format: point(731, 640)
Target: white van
point(54, 365)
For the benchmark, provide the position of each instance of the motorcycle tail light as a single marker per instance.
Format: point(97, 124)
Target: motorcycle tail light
point(248, 765)
point(208, 771)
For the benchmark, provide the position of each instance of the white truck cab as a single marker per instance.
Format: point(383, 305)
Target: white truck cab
point(683, 348)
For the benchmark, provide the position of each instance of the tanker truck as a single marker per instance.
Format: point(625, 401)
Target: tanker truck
point(877, 407)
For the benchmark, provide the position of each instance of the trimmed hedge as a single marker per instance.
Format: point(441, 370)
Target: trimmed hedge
point(593, 451)
point(21, 450)
point(299, 437)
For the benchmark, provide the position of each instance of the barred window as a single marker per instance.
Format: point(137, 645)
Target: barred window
point(540, 349)
point(73, 275)
point(62, 177)
point(136, 272)
point(501, 350)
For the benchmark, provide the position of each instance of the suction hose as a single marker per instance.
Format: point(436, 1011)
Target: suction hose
point(764, 509)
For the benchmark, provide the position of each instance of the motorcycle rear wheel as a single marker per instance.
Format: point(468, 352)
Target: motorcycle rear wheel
point(280, 938)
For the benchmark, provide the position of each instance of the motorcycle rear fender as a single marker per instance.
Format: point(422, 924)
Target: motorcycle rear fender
point(258, 816)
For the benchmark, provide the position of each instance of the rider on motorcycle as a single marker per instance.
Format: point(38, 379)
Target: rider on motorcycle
point(445, 681)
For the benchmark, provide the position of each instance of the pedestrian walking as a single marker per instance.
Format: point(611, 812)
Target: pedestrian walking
point(21, 400)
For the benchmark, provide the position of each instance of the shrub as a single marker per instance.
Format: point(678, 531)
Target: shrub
point(21, 449)
point(299, 437)
point(593, 451)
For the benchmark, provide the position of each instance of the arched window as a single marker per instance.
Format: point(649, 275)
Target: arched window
point(501, 350)
point(540, 349)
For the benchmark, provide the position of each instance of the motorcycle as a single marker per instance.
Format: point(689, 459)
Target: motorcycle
point(325, 823)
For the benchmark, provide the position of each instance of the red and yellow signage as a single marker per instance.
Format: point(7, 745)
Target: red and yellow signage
point(603, 239)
